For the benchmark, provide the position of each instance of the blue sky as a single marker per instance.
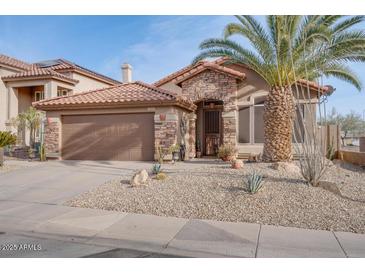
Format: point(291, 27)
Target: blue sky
point(154, 45)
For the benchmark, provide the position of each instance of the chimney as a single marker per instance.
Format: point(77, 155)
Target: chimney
point(126, 73)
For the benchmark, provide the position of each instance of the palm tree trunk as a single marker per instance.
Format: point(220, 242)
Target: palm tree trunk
point(278, 121)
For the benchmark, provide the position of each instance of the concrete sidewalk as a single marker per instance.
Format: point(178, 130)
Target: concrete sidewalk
point(77, 232)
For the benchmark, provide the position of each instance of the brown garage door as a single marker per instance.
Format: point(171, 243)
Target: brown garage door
point(108, 137)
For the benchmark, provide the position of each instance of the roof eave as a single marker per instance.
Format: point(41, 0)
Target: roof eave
point(180, 81)
point(55, 107)
point(41, 77)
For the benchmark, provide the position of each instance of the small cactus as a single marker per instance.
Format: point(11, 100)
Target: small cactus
point(254, 183)
point(42, 153)
point(156, 168)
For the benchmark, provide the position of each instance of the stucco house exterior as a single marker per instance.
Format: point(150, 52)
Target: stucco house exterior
point(200, 106)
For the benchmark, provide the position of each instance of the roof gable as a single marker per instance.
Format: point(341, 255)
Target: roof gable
point(63, 65)
point(192, 70)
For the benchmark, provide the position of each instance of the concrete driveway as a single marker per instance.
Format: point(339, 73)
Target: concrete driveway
point(54, 182)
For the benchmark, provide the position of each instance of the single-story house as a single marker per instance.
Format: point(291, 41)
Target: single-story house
point(202, 106)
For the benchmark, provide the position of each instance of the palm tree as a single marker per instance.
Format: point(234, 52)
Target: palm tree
point(30, 119)
point(286, 49)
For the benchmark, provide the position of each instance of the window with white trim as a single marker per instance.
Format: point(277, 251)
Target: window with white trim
point(38, 95)
point(251, 122)
point(62, 92)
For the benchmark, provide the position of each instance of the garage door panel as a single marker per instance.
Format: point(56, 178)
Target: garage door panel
point(108, 137)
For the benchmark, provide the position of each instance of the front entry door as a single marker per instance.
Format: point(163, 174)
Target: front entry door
point(212, 131)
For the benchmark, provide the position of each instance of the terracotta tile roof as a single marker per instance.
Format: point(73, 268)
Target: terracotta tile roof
point(65, 65)
point(129, 94)
point(44, 68)
point(38, 73)
point(171, 76)
point(191, 70)
point(314, 85)
point(211, 66)
point(12, 62)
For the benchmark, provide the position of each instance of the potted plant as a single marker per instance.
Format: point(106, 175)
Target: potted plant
point(198, 149)
point(6, 139)
point(175, 150)
point(227, 152)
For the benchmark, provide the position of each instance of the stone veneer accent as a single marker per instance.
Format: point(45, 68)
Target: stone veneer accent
point(166, 130)
point(51, 137)
point(218, 86)
point(192, 136)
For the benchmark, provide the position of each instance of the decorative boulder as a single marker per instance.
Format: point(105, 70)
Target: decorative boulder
point(139, 178)
point(286, 167)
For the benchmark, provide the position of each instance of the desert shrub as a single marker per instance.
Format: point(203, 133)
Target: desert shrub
point(161, 154)
point(156, 169)
point(331, 153)
point(174, 148)
point(255, 182)
point(42, 153)
point(7, 138)
point(227, 152)
point(161, 176)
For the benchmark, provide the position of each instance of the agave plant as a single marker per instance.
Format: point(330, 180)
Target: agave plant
point(255, 182)
point(6, 139)
point(287, 49)
point(156, 169)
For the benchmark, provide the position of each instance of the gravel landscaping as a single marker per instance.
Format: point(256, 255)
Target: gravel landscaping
point(212, 190)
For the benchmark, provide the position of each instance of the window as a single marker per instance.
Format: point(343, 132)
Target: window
point(299, 119)
point(259, 123)
point(258, 119)
point(244, 125)
point(62, 92)
point(38, 95)
point(251, 122)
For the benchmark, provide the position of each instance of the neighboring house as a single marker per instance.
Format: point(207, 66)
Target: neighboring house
point(22, 84)
point(214, 102)
point(352, 138)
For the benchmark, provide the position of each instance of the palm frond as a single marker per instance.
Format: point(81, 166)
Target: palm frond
point(344, 73)
point(293, 47)
point(348, 23)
